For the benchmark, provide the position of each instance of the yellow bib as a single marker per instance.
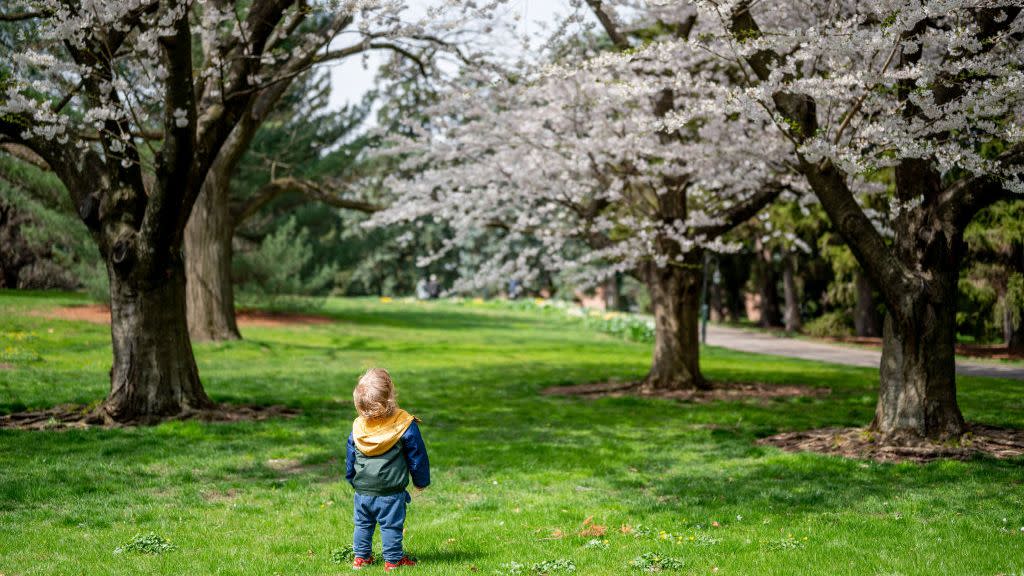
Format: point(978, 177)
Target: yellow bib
point(377, 436)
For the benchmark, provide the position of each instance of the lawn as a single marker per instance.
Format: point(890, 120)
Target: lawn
point(516, 474)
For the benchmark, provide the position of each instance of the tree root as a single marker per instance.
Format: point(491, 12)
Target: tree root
point(862, 443)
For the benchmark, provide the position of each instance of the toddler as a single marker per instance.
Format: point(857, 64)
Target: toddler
point(384, 450)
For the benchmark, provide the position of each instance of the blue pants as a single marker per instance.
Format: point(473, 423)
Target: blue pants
point(389, 512)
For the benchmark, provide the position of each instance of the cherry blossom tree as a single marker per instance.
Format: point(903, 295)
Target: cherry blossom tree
point(377, 26)
point(564, 169)
point(924, 96)
point(130, 103)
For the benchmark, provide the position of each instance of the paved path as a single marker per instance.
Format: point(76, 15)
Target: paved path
point(761, 343)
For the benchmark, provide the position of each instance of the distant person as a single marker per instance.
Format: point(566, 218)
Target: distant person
point(422, 291)
point(384, 450)
point(433, 287)
point(515, 289)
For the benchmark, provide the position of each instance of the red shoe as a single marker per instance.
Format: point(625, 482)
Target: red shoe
point(405, 561)
point(360, 563)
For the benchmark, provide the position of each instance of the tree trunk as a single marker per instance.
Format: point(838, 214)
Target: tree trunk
point(675, 299)
point(717, 310)
point(767, 281)
point(210, 291)
point(865, 316)
point(735, 271)
point(1013, 334)
point(917, 396)
point(792, 297)
point(154, 373)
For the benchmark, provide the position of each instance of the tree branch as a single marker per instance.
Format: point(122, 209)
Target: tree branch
point(170, 203)
point(365, 46)
point(741, 212)
point(617, 37)
point(22, 16)
point(308, 188)
point(826, 179)
point(963, 199)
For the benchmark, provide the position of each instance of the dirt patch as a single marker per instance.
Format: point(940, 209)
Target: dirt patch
point(279, 319)
point(860, 443)
point(78, 416)
point(285, 465)
point(99, 314)
point(220, 496)
point(722, 391)
point(6, 366)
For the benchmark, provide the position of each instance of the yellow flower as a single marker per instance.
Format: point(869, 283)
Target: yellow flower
point(386, 299)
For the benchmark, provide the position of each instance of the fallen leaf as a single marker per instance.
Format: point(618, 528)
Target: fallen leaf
point(716, 524)
point(626, 529)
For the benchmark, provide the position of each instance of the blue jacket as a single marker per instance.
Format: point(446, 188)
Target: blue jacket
point(412, 447)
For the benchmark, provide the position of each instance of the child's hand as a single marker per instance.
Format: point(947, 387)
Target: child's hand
point(418, 490)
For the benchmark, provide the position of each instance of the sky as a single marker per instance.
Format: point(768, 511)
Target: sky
point(353, 77)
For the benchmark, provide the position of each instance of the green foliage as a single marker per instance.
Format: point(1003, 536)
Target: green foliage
point(281, 269)
point(653, 562)
point(543, 568)
point(627, 326)
point(58, 249)
point(830, 325)
point(150, 543)
point(788, 543)
point(989, 285)
point(342, 555)
point(1013, 301)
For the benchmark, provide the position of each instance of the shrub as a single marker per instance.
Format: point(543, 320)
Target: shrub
point(830, 325)
point(652, 562)
point(280, 272)
point(146, 544)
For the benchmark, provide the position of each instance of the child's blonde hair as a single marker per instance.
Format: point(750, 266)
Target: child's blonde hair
point(374, 395)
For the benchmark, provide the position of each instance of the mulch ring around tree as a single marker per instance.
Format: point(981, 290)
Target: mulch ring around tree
point(860, 443)
point(721, 391)
point(79, 416)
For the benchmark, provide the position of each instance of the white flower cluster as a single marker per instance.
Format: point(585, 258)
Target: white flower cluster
point(576, 170)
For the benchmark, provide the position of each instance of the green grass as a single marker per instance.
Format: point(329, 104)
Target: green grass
point(511, 468)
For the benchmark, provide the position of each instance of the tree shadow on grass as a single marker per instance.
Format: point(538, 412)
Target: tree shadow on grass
point(648, 453)
point(432, 318)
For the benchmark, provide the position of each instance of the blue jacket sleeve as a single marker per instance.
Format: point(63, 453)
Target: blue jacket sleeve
point(416, 456)
point(350, 460)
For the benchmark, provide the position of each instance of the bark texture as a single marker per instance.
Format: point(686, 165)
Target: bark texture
point(792, 315)
point(154, 372)
point(917, 395)
point(210, 293)
point(767, 280)
point(866, 321)
point(675, 299)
